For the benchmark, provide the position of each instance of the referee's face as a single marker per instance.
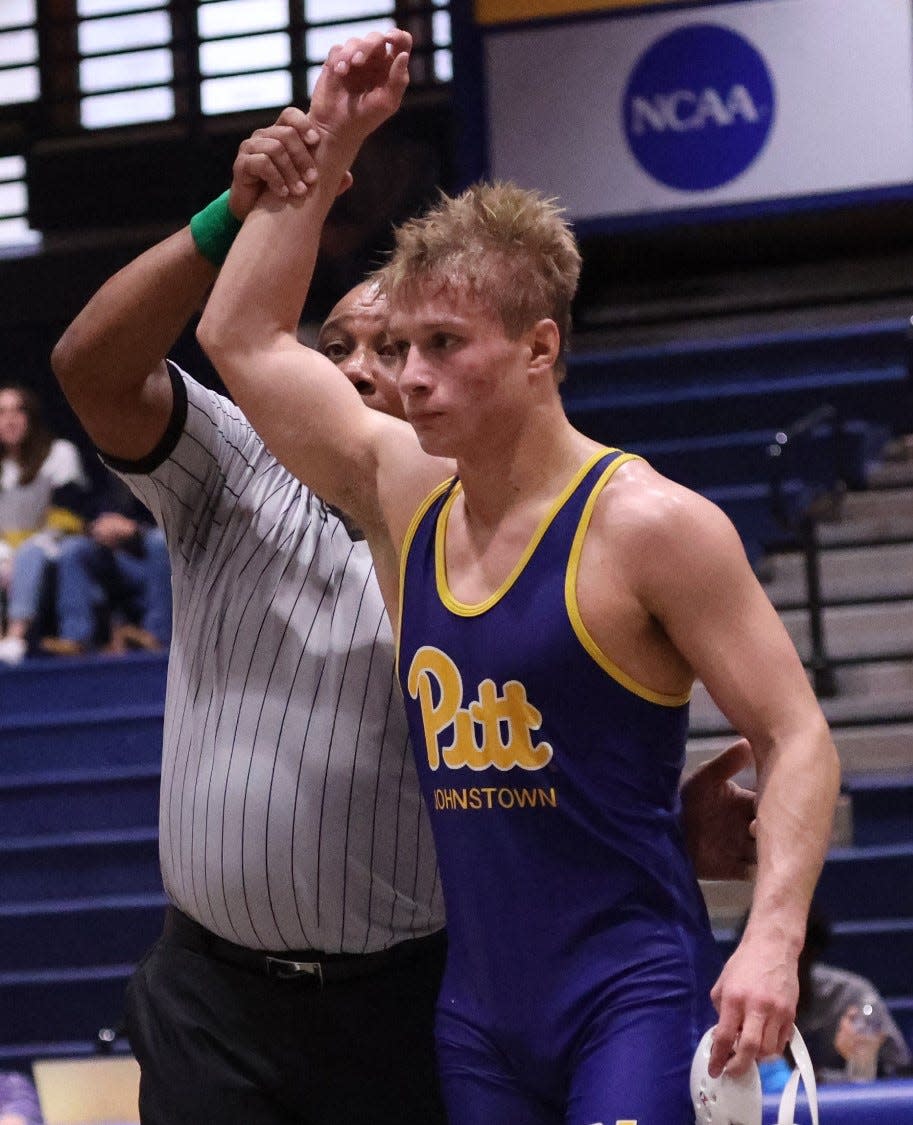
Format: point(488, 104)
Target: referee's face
point(356, 337)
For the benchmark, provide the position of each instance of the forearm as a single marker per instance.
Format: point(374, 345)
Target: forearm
point(256, 305)
point(306, 412)
point(798, 782)
point(257, 301)
point(309, 415)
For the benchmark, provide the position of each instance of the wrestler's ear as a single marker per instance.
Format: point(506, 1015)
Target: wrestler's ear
point(544, 341)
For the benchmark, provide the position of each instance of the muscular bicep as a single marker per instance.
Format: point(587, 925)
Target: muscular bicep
point(699, 585)
point(124, 420)
point(130, 423)
point(311, 419)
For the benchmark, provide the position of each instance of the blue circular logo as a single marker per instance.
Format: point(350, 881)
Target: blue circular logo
point(698, 107)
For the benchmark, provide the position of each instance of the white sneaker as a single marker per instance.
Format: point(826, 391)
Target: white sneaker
point(12, 650)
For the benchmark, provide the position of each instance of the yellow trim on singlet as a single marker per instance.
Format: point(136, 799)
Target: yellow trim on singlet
point(573, 609)
point(417, 517)
point(462, 609)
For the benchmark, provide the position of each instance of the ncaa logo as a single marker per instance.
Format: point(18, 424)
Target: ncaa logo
point(698, 107)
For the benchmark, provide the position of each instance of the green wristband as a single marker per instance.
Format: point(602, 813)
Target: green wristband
point(214, 229)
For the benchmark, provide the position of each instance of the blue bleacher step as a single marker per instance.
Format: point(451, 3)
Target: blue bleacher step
point(882, 807)
point(901, 1008)
point(79, 864)
point(54, 1004)
point(46, 685)
point(742, 457)
point(756, 355)
point(79, 932)
point(867, 882)
point(72, 800)
point(19, 1056)
point(880, 949)
point(103, 737)
point(886, 1102)
point(750, 507)
point(626, 415)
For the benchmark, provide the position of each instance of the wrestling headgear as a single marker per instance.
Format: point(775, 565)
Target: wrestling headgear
point(737, 1101)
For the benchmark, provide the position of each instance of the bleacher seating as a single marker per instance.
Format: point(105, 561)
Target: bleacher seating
point(867, 591)
point(712, 385)
point(882, 1103)
point(704, 412)
point(80, 890)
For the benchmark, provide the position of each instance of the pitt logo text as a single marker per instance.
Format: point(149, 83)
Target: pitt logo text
point(494, 730)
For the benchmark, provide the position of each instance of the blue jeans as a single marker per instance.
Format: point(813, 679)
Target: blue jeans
point(93, 581)
point(30, 588)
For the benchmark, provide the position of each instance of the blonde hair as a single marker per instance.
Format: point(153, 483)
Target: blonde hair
point(508, 247)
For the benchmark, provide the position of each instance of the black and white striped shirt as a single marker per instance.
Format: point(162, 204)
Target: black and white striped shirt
point(290, 811)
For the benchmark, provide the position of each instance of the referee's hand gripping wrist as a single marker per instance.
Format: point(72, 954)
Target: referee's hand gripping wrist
point(278, 158)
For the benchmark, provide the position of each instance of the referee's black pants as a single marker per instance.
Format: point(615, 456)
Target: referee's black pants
point(220, 1044)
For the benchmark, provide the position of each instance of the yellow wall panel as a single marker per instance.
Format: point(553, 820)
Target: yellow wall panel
point(511, 11)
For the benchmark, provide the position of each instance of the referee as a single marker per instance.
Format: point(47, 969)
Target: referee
point(297, 974)
point(295, 980)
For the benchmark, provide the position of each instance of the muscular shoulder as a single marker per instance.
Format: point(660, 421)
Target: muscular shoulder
point(663, 536)
point(645, 510)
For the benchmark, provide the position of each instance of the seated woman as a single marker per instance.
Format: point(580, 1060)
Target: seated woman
point(43, 491)
point(114, 581)
point(830, 1002)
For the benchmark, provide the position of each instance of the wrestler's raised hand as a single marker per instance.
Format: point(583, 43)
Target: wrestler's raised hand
point(361, 84)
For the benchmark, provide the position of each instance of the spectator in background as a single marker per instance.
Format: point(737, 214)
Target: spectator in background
point(18, 1100)
point(43, 494)
point(114, 582)
point(831, 1001)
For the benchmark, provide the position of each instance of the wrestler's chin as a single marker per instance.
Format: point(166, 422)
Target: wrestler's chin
point(432, 435)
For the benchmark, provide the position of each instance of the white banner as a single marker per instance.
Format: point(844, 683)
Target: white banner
point(722, 104)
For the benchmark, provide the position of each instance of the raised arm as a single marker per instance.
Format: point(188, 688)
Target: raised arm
point(110, 361)
point(307, 413)
point(695, 580)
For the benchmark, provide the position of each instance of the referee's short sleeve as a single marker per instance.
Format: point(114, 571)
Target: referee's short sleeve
point(208, 447)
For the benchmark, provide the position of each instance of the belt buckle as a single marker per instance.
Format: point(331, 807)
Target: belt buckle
point(283, 969)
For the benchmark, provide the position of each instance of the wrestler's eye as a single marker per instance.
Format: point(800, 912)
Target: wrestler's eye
point(440, 341)
point(389, 351)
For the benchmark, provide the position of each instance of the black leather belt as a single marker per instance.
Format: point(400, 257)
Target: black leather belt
point(309, 965)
